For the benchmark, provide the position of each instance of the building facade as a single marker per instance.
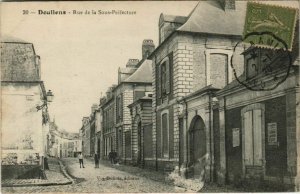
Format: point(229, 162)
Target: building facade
point(191, 63)
point(109, 132)
point(24, 129)
point(128, 90)
point(141, 115)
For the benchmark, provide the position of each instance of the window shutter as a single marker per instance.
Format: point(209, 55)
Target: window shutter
point(169, 68)
point(168, 77)
point(121, 107)
point(248, 138)
point(257, 128)
point(158, 81)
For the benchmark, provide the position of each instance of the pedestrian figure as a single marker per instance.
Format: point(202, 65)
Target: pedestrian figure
point(80, 157)
point(115, 155)
point(96, 160)
point(110, 157)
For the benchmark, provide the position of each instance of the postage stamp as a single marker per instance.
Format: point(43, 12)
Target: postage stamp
point(278, 20)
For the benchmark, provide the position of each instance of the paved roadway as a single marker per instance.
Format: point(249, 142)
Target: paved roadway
point(104, 179)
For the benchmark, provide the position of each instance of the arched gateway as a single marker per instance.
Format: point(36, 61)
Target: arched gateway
point(197, 148)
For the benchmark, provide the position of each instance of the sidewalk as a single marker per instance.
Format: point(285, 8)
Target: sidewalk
point(56, 175)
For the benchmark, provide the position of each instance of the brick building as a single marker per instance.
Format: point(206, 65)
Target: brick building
point(189, 65)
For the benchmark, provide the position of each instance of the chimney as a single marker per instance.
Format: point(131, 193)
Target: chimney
point(94, 108)
point(147, 48)
point(227, 4)
point(132, 63)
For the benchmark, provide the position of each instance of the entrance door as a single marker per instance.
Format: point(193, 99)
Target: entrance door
point(197, 159)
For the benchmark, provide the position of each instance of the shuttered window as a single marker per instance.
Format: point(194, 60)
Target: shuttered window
point(164, 76)
point(253, 137)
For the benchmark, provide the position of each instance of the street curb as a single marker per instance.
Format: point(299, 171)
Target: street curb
point(36, 184)
point(64, 171)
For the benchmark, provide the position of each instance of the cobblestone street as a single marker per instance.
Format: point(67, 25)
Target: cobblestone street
point(104, 179)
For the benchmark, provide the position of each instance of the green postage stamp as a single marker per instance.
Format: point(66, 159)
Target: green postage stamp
point(276, 20)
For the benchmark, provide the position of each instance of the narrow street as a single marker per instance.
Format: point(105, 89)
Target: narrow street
point(94, 180)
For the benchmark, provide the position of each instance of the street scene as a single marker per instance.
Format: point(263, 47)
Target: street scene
point(150, 97)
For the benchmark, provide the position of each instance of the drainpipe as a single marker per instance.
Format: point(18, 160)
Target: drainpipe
point(156, 161)
point(211, 137)
point(186, 125)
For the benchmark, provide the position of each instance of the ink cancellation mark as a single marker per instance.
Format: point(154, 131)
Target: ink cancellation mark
point(265, 67)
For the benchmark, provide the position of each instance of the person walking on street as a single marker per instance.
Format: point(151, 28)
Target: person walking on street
point(96, 160)
point(80, 157)
point(110, 156)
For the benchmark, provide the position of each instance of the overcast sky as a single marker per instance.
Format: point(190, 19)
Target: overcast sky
point(80, 54)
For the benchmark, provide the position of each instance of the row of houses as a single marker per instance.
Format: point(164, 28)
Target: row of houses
point(61, 143)
point(182, 106)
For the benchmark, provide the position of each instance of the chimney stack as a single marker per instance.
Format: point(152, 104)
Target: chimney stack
point(132, 63)
point(147, 48)
point(227, 4)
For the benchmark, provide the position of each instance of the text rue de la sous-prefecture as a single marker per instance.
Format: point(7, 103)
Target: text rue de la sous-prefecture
point(86, 12)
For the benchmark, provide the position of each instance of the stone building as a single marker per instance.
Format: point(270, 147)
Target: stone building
point(62, 143)
point(130, 88)
point(23, 128)
point(191, 63)
point(86, 134)
point(99, 132)
point(107, 106)
point(141, 114)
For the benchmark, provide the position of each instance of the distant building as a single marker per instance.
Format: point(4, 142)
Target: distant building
point(107, 106)
point(86, 134)
point(62, 143)
point(99, 144)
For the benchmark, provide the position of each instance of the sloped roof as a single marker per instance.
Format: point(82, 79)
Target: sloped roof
point(143, 74)
point(209, 17)
point(11, 39)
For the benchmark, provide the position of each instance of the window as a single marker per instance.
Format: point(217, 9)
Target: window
point(253, 135)
point(119, 108)
point(164, 77)
point(218, 70)
point(165, 135)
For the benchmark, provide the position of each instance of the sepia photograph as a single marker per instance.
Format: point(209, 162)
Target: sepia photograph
point(150, 96)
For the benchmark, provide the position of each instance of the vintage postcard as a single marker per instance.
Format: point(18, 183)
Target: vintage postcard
point(150, 96)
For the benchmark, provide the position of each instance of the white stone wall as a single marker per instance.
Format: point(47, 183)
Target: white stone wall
point(21, 120)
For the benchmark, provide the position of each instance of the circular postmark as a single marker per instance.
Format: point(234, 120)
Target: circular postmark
point(261, 61)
